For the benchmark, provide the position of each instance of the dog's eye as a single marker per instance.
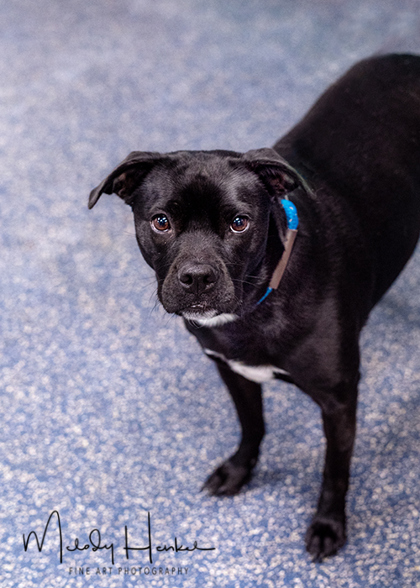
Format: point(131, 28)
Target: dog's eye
point(160, 223)
point(239, 224)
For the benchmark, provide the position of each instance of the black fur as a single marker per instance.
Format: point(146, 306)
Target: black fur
point(358, 150)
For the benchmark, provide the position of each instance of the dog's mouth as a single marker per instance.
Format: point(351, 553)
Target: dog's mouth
point(196, 311)
point(205, 316)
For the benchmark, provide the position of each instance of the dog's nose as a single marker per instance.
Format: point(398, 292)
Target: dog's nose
point(197, 278)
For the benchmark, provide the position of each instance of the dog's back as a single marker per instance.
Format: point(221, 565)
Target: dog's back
point(361, 141)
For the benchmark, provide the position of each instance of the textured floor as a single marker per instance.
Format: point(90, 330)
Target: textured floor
point(108, 409)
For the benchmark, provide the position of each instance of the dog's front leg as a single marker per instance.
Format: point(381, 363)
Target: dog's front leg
point(229, 477)
point(327, 533)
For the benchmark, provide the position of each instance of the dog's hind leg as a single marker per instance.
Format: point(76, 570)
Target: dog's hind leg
point(229, 477)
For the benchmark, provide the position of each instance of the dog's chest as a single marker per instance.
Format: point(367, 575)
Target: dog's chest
point(258, 374)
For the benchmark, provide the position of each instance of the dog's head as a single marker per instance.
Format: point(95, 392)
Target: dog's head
point(202, 222)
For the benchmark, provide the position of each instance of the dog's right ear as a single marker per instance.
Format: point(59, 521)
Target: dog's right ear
point(126, 176)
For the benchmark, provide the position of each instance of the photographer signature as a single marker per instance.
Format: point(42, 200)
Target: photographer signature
point(95, 542)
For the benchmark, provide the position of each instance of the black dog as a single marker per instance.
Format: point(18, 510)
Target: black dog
point(214, 227)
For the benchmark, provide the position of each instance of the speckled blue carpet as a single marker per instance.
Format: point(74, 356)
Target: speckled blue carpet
point(109, 411)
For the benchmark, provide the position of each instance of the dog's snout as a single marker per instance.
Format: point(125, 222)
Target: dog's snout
point(197, 278)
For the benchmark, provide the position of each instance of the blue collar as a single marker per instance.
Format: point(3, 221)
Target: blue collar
point(292, 225)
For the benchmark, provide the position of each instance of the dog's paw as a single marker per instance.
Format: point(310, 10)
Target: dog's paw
point(324, 537)
point(227, 480)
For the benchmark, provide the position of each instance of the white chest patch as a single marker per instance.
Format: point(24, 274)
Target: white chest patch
point(255, 373)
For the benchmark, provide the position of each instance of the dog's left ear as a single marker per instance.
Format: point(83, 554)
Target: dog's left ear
point(278, 176)
point(126, 176)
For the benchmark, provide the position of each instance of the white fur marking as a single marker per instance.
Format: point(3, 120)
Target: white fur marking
point(215, 321)
point(255, 373)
